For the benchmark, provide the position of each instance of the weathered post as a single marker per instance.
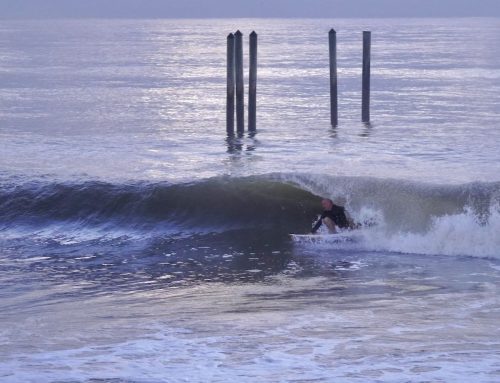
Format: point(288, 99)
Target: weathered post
point(332, 38)
point(240, 98)
point(365, 108)
point(252, 87)
point(230, 86)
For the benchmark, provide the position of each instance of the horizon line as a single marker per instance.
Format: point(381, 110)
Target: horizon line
point(69, 17)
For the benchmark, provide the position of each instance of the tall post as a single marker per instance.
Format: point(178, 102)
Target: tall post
point(365, 109)
point(334, 116)
point(230, 86)
point(252, 87)
point(240, 98)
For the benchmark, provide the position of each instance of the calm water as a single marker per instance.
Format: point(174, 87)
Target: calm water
point(139, 244)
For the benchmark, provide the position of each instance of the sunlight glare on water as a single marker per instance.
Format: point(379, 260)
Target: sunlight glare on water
point(152, 94)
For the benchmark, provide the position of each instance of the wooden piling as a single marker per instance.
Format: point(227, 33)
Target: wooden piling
point(332, 38)
point(252, 86)
point(230, 86)
point(365, 108)
point(240, 98)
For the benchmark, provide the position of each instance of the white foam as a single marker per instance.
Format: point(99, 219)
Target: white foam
point(290, 330)
point(309, 348)
point(458, 234)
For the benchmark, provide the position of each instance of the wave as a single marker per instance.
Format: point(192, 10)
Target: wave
point(218, 202)
point(398, 215)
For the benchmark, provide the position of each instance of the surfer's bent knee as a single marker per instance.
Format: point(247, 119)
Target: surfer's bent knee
point(330, 225)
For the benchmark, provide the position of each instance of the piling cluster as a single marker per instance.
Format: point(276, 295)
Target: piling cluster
point(235, 82)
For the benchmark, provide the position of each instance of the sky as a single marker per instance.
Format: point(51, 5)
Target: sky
point(13, 9)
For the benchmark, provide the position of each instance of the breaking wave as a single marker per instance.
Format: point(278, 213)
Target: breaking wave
point(410, 217)
point(398, 216)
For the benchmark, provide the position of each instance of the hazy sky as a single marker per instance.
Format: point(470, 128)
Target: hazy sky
point(247, 8)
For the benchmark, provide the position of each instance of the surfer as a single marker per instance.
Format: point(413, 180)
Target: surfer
point(333, 217)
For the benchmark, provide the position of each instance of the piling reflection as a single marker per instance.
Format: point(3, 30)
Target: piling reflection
point(252, 142)
point(234, 144)
point(238, 143)
point(333, 132)
point(367, 129)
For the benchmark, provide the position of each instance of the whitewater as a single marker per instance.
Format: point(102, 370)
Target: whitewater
point(140, 244)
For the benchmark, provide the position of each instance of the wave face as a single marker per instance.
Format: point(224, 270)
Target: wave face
point(397, 215)
point(218, 202)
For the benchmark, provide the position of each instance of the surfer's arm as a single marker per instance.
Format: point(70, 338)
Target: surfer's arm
point(317, 225)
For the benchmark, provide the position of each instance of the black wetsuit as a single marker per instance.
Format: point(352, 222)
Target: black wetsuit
point(336, 214)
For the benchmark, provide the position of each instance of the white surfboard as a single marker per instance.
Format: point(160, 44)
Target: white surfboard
point(347, 236)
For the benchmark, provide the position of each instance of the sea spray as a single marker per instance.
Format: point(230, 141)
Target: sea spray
point(457, 234)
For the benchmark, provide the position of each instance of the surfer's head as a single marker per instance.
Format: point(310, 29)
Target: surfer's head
point(326, 203)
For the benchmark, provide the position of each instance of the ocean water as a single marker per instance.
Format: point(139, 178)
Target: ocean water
point(139, 244)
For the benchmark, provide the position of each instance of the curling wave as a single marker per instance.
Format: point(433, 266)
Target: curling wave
point(412, 217)
point(400, 216)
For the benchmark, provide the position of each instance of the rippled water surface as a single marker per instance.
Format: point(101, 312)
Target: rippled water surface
point(146, 99)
